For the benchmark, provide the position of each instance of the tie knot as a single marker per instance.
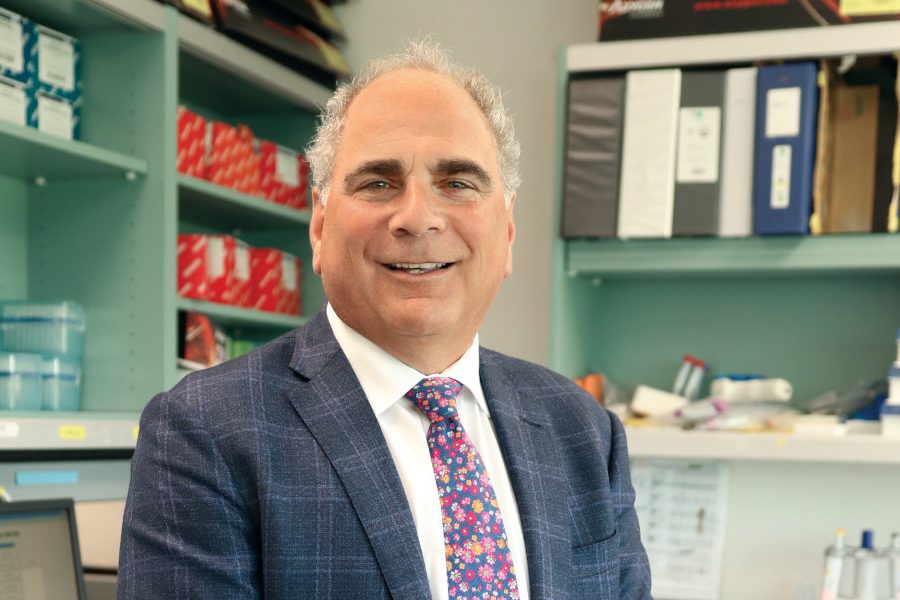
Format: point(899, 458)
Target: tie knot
point(436, 397)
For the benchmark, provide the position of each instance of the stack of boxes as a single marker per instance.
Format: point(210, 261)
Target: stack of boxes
point(232, 157)
point(41, 344)
point(890, 410)
point(222, 269)
point(40, 77)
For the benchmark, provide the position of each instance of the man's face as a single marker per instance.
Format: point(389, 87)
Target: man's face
point(415, 237)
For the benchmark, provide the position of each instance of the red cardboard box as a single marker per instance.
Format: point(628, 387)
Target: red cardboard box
point(191, 147)
point(284, 174)
point(241, 284)
point(290, 284)
point(191, 255)
point(265, 278)
point(230, 159)
point(206, 267)
point(275, 281)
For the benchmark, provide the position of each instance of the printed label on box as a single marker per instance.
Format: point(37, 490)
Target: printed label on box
point(215, 257)
point(13, 102)
point(241, 262)
point(11, 44)
point(288, 273)
point(56, 61)
point(286, 167)
point(55, 116)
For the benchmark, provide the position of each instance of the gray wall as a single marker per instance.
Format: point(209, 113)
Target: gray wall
point(515, 43)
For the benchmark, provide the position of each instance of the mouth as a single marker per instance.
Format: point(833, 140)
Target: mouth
point(418, 268)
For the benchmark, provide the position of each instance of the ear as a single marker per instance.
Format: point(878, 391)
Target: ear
point(316, 225)
point(511, 232)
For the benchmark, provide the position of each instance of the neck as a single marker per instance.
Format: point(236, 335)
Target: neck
point(428, 358)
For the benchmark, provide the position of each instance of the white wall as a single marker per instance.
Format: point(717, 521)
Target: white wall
point(515, 43)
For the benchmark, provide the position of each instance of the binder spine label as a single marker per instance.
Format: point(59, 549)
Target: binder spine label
point(698, 144)
point(780, 197)
point(783, 112)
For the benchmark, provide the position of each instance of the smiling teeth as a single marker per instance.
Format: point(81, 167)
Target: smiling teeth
point(417, 268)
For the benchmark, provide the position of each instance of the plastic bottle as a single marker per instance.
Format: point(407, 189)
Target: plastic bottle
point(834, 563)
point(866, 569)
point(895, 566)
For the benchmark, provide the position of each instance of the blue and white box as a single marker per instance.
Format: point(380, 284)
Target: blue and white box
point(15, 43)
point(55, 61)
point(14, 100)
point(55, 115)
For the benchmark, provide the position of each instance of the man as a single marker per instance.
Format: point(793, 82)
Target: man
point(378, 452)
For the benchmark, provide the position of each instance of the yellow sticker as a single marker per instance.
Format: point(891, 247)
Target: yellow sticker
point(134, 432)
point(856, 8)
point(198, 6)
point(72, 432)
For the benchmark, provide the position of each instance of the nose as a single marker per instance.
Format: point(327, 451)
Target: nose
point(417, 212)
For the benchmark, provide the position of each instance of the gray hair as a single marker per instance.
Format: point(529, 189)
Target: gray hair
point(428, 56)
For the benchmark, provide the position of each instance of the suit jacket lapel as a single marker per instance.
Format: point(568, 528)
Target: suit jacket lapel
point(335, 409)
point(536, 474)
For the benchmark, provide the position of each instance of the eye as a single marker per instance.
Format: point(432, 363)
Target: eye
point(378, 184)
point(457, 184)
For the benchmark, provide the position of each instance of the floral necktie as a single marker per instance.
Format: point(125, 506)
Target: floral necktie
point(479, 563)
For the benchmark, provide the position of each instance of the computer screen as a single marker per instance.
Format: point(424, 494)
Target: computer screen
point(39, 556)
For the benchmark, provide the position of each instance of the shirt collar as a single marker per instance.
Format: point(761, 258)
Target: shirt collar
point(385, 379)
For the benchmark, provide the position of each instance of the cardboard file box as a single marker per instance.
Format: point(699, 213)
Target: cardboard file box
point(55, 63)
point(14, 101)
point(15, 41)
point(241, 290)
point(284, 175)
point(191, 159)
point(206, 267)
point(275, 281)
point(230, 160)
point(54, 114)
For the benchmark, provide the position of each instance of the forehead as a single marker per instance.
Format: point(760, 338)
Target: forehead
point(415, 111)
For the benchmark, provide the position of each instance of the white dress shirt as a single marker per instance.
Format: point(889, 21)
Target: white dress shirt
point(385, 380)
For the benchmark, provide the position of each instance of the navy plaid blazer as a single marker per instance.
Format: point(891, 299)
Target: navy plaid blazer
point(269, 476)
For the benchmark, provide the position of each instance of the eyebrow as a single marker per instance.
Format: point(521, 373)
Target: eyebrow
point(381, 168)
point(456, 166)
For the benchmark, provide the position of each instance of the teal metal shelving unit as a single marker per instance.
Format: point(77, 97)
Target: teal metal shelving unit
point(819, 311)
point(234, 316)
point(96, 220)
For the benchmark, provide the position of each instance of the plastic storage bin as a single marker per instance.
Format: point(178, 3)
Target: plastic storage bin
point(61, 384)
point(42, 328)
point(20, 381)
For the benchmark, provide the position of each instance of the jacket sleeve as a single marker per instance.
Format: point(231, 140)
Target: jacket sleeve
point(634, 571)
point(187, 531)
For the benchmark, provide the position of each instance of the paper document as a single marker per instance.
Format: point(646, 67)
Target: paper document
point(681, 508)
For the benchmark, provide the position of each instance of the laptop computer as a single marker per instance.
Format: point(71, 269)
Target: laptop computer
point(39, 553)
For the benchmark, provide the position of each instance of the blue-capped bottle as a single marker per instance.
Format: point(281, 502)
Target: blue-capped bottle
point(834, 567)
